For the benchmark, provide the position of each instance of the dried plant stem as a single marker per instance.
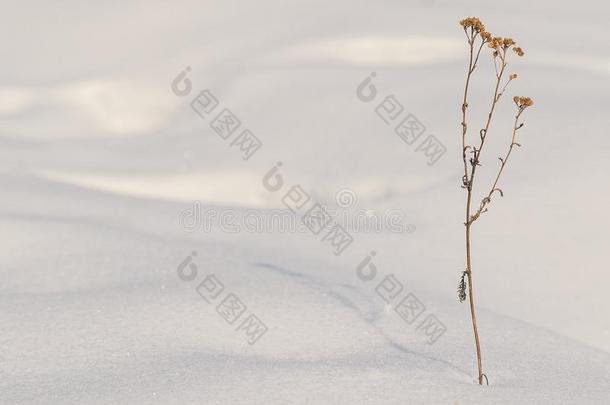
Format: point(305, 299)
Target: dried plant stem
point(471, 301)
point(467, 184)
point(474, 28)
point(469, 181)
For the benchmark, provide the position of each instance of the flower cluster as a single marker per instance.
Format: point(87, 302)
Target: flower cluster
point(495, 43)
point(500, 46)
point(477, 26)
point(518, 51)
point(523, 102)
point(473, 22)
point(501, 43)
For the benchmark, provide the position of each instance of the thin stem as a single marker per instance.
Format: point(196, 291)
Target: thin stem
point(510, 149)
point(465, 106)
point(471, 302)
point(472, 64)
point(504, 160)
point(468, 223)
point(489, 117)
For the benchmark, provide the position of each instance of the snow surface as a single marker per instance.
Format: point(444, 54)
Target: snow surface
point(100, 160)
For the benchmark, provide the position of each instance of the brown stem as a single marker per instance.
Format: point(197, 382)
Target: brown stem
point(471, 301)
point(487, 124)
point(493, 188)
point(472, 64)
point(468, 223)
point(510, 149)
point(464, 107)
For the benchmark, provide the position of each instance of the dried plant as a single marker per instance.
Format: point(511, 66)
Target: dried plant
point(501, 48)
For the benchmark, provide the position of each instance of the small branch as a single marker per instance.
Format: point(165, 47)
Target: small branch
point(472, 64)
point(486, 200)
point(465, 106)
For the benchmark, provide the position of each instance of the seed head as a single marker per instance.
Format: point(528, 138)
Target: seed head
point(473, 22)
point(506, 42)
point(501, 43)
point(518, 51)
point(523, 102)
point(495, 43)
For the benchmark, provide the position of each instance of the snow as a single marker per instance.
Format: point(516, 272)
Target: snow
point(102, 164)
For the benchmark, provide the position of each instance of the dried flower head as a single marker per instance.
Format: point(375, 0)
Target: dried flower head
point(486, 36)
point(518, 51)
point(495, 43)
point(501, 43)
point(474, 23)
point(523, 102)
point(513, 76)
